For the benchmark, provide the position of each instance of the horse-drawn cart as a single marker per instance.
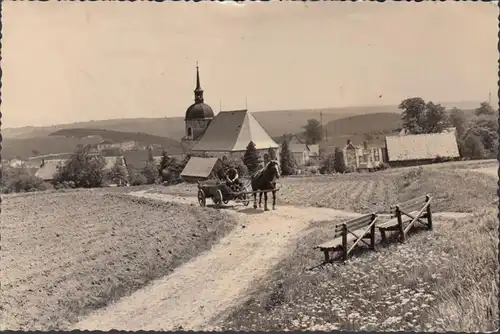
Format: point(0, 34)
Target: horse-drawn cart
point(220, 193)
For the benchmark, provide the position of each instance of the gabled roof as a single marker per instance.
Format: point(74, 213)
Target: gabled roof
point(199, 167)
point(422, 146)
point(47, 171)
point(231, 131)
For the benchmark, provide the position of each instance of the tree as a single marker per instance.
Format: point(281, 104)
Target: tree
point(473, 147)
point(421, 117)
point(287, 162)
point(458, 121)
point(118, 173)
point(85, 170)
point(339, 161)
point(165, 163)
point(313, 131)
point(328, 164)
point(150, 172)
point(251, 158)
point(484, 109)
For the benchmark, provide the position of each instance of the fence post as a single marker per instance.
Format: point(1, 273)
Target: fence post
point(429, 212)
point(372, 231)
point(344, 242)
point(400, 224)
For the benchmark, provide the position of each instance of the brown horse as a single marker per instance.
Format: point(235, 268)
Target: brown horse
point(266, 181)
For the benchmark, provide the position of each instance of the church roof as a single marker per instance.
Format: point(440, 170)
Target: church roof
point(199, 110)
point(231, 131)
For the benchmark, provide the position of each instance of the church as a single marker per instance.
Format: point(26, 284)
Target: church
point(226, 134)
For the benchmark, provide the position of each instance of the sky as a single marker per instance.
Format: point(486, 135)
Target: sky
point(65, 62)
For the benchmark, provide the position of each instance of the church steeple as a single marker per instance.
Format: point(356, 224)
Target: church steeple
point(198, 92)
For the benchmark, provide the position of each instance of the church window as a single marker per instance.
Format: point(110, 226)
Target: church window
point(190, 133)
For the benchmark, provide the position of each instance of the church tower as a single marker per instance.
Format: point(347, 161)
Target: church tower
point(198, 115)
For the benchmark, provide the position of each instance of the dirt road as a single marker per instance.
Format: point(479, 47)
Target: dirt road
point(218, 279)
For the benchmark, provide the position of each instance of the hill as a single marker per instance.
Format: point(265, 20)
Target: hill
point(120, 136)
point(275, 122)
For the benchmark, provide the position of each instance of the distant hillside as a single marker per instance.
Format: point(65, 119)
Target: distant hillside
point(275, 122)
point(24, 148)
point(120, 136)
point(365, 124)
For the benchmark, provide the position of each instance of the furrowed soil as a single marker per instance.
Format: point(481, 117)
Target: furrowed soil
point(65, 254)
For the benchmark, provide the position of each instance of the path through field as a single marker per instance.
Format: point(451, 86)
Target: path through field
point(493, 171)
point(215, 281)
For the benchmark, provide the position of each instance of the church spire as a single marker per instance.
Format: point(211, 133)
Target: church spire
point(198, 92)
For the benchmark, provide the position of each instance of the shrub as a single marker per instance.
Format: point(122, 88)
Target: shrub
point(137, 179)
point(328, 164)
point(84, 169)
point(287, 162)
point(150, 173)
point(339, 160)
point(19, 180)
point(118, 173)
point(251, 158)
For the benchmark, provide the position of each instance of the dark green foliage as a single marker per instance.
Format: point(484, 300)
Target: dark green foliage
point(287, 162)
point(313, 131)
point(118, 173)
point(19, 180)
point(339, 161)
point(251, 158)
point(423, 117)
point(328, 164)
point(84, 169)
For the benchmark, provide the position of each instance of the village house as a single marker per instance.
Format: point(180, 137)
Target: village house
point(367, 157)
point(225, 135)
point(412, 150)
point(124, 146)
point(301, 152)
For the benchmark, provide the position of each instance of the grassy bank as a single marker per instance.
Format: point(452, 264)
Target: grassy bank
point(443, 280)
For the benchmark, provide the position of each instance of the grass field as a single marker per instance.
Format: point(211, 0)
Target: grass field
point(443, 280)
point(440, 281)
point(453, 190)
point(67, 253)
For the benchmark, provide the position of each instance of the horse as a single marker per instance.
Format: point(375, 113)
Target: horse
point(265, 180)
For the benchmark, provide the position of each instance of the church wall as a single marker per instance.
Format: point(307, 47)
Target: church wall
point(197, 126)
point(239, 154)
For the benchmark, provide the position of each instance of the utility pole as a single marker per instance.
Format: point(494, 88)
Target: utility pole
point(489, 98)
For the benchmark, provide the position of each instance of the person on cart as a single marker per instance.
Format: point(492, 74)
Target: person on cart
point(233, 179)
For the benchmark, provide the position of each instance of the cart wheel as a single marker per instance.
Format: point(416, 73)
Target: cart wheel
point(246, 201)
point(225, 201)
point(201, 198)
point(217, 198)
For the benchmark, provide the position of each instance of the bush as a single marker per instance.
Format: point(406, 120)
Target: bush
point(137, 179)
point(328, 164)
point(150, 173)
point(84, 169)
point(16, 180)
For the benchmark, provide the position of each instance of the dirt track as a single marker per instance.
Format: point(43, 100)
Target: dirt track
point(199, 290)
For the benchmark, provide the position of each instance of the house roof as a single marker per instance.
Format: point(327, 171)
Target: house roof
point(422, 146)
point(47, 171)
point(231, 131)
point(199, 167)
